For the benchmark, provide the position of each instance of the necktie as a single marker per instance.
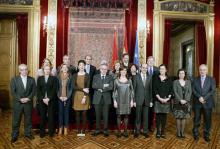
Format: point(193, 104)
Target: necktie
point(103, 79)
point(151, 71)
point(202, 81)
point(144, 79)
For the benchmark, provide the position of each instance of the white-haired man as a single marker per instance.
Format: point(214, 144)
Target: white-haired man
point(23, 90)
point(204, 90)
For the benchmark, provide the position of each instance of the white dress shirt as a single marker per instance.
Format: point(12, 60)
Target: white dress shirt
point(87, 68)
point(144, 77)
point(24, 81)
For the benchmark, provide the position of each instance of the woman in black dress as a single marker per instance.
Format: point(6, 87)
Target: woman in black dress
point(162, 88)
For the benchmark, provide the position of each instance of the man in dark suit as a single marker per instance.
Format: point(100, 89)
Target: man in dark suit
point(203, 90)
point(91, 70)
point(103, 86)
point(152, 71)
point(71, 69)
point(23, 90)
point(143, 99)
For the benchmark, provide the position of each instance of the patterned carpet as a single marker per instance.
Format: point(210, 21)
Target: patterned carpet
point(90, 142)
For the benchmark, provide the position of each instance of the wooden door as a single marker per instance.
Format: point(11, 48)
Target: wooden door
point(8, 56)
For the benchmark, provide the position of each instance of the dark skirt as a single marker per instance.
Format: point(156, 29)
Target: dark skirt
point(161, 108)
point(181, 111)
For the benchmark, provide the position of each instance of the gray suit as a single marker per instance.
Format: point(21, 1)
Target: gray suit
point(18, 91)
point(102, 99)
point(207, 92)
point(143, 97)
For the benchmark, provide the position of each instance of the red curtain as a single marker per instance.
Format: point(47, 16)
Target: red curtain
point(22, 27)
point(166, 46)
point(62, 31)
point(131, 26)
point(43, 33)
point(201, 44)
point(217, 42)
point(150, 7)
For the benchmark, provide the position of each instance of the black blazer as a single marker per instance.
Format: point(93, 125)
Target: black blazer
point(69, 89)
point(92, 71)
point(86, 83)
point(50, 88)
point(106, 92)
point(143, 94)
point(18, 91)
point(207, 92)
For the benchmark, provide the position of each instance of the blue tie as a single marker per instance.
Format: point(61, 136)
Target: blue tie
point(151, 71)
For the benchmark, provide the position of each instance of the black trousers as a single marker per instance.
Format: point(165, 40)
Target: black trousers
point(207, 115)
point(161, 120)
point(141, 110)
point(151, 118)
point(47, 115)
point(18, 110)
point(102, 109)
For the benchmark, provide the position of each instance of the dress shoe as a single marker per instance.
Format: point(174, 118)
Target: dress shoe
point(207, 139)
point(163, 136)
point(96, 133)
point(182, 135)
point(42, 135)
point(31, 137)
point(151, 129)
point(158, 135)
point(118, 134)
point(65, 131)
point(51, 135)
point(14, 139)
point(125, 134)
point(136, 135)
point(178, 135)
point(196, 138)
point(60, 131)
point(106, 134)
point(146, 135)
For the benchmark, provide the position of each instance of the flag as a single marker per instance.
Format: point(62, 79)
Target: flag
point(125, 49)
point(136, 51)
point(115, 48)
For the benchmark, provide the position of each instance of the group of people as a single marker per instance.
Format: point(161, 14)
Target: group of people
point(126, 86)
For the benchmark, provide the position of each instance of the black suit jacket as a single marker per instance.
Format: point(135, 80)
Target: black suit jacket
point(143, 94)
point(207, 92)
point(49, 88)
point(92, 71)
point(18, 91)
point(106, 92)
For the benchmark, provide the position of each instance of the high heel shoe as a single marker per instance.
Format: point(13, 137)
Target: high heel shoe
point(65, 131)
point(178, 134)
point(118, 134)
point(182, 135)
point(60, 131)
